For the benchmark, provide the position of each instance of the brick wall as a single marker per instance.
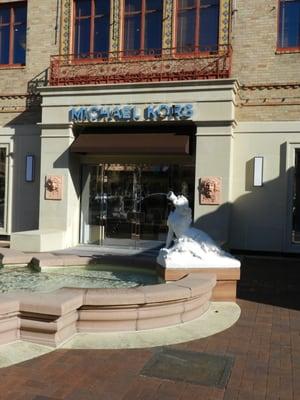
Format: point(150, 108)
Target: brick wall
point(14, 82)
point(257, 62)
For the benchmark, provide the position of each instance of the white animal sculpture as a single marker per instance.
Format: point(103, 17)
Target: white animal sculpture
point(192, 247)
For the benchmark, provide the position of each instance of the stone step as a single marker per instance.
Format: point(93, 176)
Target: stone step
point(53, 317)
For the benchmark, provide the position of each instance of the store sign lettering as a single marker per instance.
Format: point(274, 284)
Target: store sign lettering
point(158, 112)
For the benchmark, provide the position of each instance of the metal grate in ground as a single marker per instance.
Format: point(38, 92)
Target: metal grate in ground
point(192, 367)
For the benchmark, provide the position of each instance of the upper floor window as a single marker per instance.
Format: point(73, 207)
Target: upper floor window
point(289, 24)
point(13, 19)
point(197, 27)
point(92, 21)
point(143, 26)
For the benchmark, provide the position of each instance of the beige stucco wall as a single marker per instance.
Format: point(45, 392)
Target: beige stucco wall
point(268, 125)
point(22, 198)
point(20, 113)
point(61, 215)
point(261, 216)
point(214, 158)
point(247, 218)
point(25, 195)
point(56, 137)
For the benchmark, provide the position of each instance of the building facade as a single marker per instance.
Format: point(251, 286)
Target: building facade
point(108, 105)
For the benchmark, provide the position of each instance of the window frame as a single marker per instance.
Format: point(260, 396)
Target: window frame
point(280, 49)
point(196, 47)
point(92, 17)
point(12, 6)
point(137, 53)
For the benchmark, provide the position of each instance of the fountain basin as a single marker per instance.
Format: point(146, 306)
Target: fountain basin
point(52, 318)
point(46, 279)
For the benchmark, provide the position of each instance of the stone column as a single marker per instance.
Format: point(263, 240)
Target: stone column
point(59, 194)
point(59, 205)
point(214, 147)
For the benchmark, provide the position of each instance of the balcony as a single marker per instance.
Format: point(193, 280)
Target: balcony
point(140, 66)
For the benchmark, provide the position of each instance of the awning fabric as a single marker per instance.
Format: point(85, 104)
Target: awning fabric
point(154, 143)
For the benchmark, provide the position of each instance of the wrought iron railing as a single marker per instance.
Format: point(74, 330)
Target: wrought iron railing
point(140, 66)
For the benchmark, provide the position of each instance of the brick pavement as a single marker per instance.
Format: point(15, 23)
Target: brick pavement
point(265, 343)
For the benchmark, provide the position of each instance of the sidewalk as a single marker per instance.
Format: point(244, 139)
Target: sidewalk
point(264, 343)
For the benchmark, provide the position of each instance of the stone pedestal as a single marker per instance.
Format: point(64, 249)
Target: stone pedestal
point(225, 289)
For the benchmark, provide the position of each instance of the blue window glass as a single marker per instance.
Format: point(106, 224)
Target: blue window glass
point(82, 36)
point(101, 28)
point(143, 26)
point(4, 15)
point(132, 28)
point(20, 45)
point(186, 23)
point(132, 36)
point(102, 7)
point(20, 35)
point(153, 19)
point(209, 25)
point(197, 27)
point(20, 15)
point(186, 3)
point(133, 6)
point(83, 8)
point(4, 44)
point(92, 22)
point(289, 24)
point(13, 21)
point(153, 5)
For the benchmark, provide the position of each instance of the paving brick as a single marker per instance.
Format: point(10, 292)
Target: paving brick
point(265, 367)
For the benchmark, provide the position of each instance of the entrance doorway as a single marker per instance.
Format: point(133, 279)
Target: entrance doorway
point(126, 204)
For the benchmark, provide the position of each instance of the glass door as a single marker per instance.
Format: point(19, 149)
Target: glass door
point(126, 204)
point(154, 206)
point(109, 206)
point(120, 204)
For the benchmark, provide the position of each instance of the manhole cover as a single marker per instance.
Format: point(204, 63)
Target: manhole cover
point(197, 368)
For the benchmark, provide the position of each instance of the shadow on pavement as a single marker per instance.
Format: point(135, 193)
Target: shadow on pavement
point(270, 280)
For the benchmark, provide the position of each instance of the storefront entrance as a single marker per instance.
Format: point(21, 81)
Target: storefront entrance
point(126, 204)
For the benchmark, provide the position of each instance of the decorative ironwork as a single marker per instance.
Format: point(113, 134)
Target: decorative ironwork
point(139, 66)
point(34, 98)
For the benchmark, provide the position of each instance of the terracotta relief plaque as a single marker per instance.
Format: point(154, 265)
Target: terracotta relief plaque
point(53, 187)
point(210, 190)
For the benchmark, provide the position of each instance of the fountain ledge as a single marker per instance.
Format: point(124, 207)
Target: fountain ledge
point(227, 278)
point(225, 289)
point(52, 318)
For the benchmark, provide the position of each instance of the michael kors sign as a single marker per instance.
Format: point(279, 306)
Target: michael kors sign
point(158, 112)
